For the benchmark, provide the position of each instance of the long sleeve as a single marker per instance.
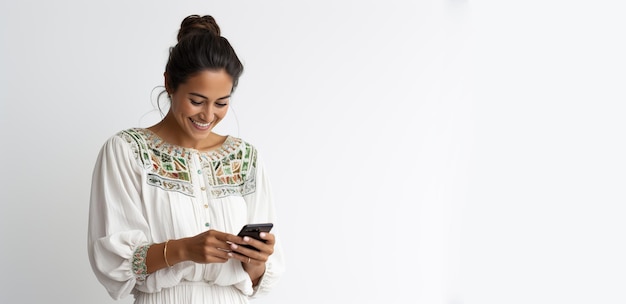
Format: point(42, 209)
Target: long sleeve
point(261, 209)
point(117, 227)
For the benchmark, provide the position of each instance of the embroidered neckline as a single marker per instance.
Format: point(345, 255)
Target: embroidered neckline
point(230, 145)
point(229, 169)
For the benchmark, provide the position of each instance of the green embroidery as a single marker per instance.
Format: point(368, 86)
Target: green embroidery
point(139, 262)
point(228, 170)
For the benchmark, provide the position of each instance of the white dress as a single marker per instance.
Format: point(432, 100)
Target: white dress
point(147, 191)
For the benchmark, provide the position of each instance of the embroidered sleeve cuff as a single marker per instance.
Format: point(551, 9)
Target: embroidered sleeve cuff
point(139, 263)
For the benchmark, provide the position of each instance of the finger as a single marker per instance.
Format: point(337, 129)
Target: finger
point(218, 253)
point(266, 247)
point(256, 244)
point(268, 237)
point(217, 239)
point(252, 253)
point(244, 259)
point(215, 249)
point(218, 236)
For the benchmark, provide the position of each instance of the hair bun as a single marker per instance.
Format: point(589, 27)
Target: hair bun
point(196, 24)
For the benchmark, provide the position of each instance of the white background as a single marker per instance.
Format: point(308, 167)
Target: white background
point(431, 151)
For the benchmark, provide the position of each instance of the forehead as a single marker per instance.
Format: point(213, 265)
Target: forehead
point(210, 83)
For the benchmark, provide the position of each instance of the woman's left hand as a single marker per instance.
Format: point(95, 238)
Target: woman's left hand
point(253, 261)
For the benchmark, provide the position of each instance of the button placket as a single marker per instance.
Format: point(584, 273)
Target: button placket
point(204, 197)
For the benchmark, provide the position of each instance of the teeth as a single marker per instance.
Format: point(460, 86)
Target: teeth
point(201, 124)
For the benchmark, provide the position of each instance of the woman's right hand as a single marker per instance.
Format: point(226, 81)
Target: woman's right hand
point(207, 247)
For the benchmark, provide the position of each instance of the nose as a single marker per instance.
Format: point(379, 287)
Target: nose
point(208, 113)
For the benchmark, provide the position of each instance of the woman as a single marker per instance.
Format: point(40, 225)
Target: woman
point(167, 201)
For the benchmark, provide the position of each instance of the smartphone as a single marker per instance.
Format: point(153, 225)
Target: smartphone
point(254, 231)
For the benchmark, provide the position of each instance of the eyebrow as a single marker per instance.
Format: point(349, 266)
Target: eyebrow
point(202, 96)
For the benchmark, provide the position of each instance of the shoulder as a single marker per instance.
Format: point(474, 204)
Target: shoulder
point(126, 135)
point(132, 135)
point(125, 142)
point(237, 153)
point(243, 144)
point(241, 149)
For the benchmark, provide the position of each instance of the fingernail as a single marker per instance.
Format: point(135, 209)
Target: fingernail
point(233, 246)
point(246, 239)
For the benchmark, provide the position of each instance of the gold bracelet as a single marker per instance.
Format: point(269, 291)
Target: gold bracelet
point(165, 254)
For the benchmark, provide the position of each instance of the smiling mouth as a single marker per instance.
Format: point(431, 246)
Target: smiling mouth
point(199, 124)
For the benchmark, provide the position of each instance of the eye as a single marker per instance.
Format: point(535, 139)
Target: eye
point(220, 103)
point(195, 103)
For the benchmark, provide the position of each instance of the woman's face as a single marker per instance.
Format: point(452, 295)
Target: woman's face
point(199, 104)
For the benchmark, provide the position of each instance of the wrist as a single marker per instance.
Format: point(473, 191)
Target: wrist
point(255, 273)
point(175, 251)
point(165, 254)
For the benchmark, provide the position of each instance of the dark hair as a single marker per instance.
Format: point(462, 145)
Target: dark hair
point(200, 47)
